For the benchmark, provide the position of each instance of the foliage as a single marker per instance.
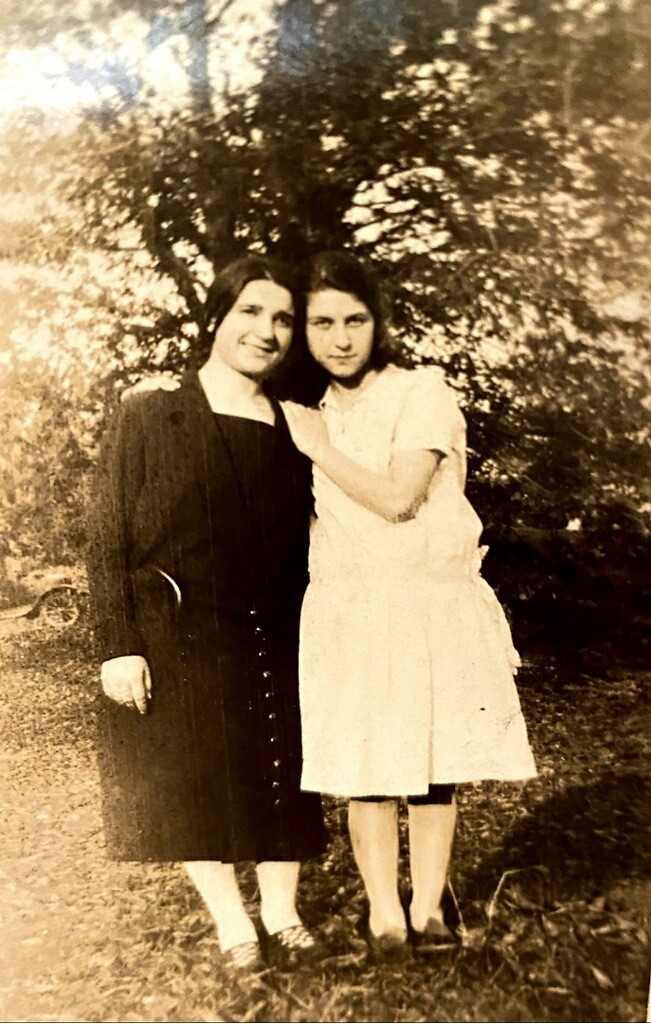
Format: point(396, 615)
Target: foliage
point(74, 317)
point(490, 158)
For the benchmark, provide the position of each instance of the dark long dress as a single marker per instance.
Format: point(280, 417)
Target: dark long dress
point(212, 772)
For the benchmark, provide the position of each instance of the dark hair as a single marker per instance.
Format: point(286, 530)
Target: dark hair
point(300, 377)
point(344, 272)
point(231, 281)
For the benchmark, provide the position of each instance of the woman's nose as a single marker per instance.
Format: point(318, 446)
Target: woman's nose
point(341, 339)
point(265, 326)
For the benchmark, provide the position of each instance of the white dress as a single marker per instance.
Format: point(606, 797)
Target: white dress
point(406, 658)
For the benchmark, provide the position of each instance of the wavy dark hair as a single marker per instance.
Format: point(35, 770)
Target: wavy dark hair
point(303, 379)
point(231, 281)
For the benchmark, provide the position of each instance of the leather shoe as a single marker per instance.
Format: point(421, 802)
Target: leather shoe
point(438, 933)
point(243, 960)
point(291, 947)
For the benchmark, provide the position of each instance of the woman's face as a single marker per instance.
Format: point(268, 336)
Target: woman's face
point(256, 333)
point(340, 332)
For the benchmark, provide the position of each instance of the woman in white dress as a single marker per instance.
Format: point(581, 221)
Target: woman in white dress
point(406, 659)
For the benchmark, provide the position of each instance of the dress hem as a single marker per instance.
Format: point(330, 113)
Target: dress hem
point(394, 792)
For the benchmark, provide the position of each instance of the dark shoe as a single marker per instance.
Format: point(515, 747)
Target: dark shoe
point(291, 947)
point(437, 934)
point(391, 947)
point(243, 960)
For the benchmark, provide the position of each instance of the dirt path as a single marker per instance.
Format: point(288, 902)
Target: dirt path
point(48, 909)
point(53, 888)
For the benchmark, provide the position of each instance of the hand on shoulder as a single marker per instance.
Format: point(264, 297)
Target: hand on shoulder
point(307, 427)
point(157, 382)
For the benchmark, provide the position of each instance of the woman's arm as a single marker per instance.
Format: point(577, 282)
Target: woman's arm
point(396, 496)
point(119, 475)
point(115, 486)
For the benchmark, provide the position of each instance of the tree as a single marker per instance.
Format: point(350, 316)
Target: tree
point(490, 158)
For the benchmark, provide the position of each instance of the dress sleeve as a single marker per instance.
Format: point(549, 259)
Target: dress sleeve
point(430, 418)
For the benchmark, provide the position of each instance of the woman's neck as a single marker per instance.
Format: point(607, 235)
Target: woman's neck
point(228, 391)
point(346, 391)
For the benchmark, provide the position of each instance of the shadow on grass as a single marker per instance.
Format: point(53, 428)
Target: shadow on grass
point(587, 837)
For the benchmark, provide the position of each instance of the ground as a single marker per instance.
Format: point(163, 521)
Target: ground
point(549, 877)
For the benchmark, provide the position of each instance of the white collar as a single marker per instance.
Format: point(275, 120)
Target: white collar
point(329, 400)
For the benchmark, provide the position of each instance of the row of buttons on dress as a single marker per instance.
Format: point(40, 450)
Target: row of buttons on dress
point(263, 656)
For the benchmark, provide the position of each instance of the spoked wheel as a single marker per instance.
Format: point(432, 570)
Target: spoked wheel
point(59, 608)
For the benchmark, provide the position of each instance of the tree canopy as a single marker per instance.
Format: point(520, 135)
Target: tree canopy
point(490, 158)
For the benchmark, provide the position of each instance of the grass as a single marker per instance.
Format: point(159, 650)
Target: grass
point(550, 877)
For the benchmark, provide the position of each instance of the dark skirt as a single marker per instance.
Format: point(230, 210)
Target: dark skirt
point(212, 771)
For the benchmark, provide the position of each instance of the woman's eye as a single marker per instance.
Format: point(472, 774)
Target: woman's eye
point(284, 321)
point(249, 310)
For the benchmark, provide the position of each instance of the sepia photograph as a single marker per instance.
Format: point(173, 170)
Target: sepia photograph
point(325, 510)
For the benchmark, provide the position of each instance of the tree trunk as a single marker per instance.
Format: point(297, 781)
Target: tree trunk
point(195, 25)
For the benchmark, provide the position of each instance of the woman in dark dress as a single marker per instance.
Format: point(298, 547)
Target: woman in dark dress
point(198, 565)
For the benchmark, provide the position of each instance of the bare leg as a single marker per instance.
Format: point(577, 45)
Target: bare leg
point(218, 886)
point(431, 831)
point(374, 836)
point(278, 881)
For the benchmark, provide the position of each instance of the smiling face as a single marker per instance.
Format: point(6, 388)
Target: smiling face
point(256, 332)
point(340, 333)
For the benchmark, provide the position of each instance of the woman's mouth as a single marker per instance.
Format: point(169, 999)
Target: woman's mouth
point(263, 350)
